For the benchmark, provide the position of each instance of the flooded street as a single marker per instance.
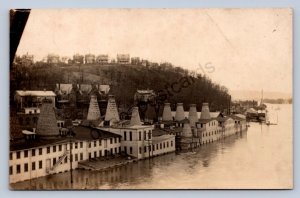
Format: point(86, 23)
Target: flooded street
point(258, 158)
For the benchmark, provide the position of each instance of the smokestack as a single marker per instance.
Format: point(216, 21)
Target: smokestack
point(46, 125)
point(167, 115)
point(94, 111)
point(179, 112)
point(205, 114)
point(187, 131)
point(193, 116)
point(135, 117)
point(111, 110)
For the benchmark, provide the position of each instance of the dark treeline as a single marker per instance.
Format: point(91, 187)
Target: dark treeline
point(173, 84)
point(278, 101)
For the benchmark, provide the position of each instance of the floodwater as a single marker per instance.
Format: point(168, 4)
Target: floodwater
point(259, 158)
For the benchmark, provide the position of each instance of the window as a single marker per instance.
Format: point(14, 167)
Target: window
point(81, 156)
point(95, 154)
point(54, 149)
point(18, 168)
point(111, 151)
point(81, 144)
point(171, 143)
point(90, 155)
point(76, 145)
point(60, 147)
point(111, 140)
point(116, 139)
point(130, 150)
point(10, 170)
point(153, 147)
point(40, 164)
point(100, 153)
point(10, 156)
point(130, 136)
point(116, 150)
point(26, 167)
point(150, 147)
point(33, 152)
point(164, 145)
point(48, 149)
point(54, 161)
point(76, 157)
point(145, 149)
point(33, 166)
point(160, 145)
point(71, 145)
point(140, 150)
point(149, 134)
point(40, 151)
point(89, 145)
point(95, 143)
point(119, 149)
point(125, 149)
point(156, 146)
point(145, 137)
point(125, 138)
point(167, 144)
point(140, 136)
point(65, 160)
point(18, 155)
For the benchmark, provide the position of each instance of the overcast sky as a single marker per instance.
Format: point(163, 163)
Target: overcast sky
point(249, 49)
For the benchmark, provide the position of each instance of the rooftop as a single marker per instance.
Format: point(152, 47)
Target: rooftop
point(35, 93)
point(81, 133)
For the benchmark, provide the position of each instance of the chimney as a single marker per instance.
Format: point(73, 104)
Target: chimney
point(94, 111)
point(205, 114)
point(135, 117)
point(112, 110)
point(167, 115)
point(47, 124)
point(193, 116)
point(187, 131)
point(179, 112)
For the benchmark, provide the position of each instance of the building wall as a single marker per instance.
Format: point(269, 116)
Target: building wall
point(137, 142)
point(81, 150)
point(210, 131)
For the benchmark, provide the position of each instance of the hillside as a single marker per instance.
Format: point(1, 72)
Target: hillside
point(173, 84)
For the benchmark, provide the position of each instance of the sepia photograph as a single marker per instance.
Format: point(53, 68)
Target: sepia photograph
point(161, 98)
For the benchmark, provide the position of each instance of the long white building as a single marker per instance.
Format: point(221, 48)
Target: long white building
point(36, 158)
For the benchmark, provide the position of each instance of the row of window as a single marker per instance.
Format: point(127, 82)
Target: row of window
point(99, 142)
point(155, 147)
point(106, 152)
point(18, 168)
point(211, 133)
point(128, 136)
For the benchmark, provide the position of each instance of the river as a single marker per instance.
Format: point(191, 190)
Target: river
point(259, 158)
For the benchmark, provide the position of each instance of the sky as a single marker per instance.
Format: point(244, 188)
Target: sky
point(242, 49)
